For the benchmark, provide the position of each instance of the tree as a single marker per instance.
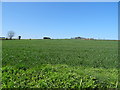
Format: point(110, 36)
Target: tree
point(19, 37)
point(46, 38)
point(11, 34)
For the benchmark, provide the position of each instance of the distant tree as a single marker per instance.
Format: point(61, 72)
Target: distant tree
point(46, 38)
point(6, 38)
point(11, 34)
point(19, 37)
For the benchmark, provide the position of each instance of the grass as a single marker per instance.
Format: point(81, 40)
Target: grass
point(91, 62)
point(0, 63)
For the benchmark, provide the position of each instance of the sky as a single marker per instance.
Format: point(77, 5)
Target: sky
point(60, 20)
point(60, 0)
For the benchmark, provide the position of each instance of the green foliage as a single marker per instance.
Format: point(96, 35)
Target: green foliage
point(53, 76)
point(59, 64)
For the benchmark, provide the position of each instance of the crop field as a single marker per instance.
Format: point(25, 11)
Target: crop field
point(59, 64)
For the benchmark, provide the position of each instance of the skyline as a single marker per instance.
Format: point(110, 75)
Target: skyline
point(61, 20)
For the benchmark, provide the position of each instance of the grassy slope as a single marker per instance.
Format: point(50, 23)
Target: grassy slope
point(0, 62)
point(85, 57)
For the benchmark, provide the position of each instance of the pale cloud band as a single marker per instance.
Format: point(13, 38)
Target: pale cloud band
point(60, 0)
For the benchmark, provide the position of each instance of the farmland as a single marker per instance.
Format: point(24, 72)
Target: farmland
point(59, 64)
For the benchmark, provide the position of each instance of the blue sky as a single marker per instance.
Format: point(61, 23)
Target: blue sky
point(61, 19)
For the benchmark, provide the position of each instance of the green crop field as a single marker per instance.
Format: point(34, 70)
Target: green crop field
point(59, 64)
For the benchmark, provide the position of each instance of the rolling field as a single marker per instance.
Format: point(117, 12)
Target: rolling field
point(59, 64)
